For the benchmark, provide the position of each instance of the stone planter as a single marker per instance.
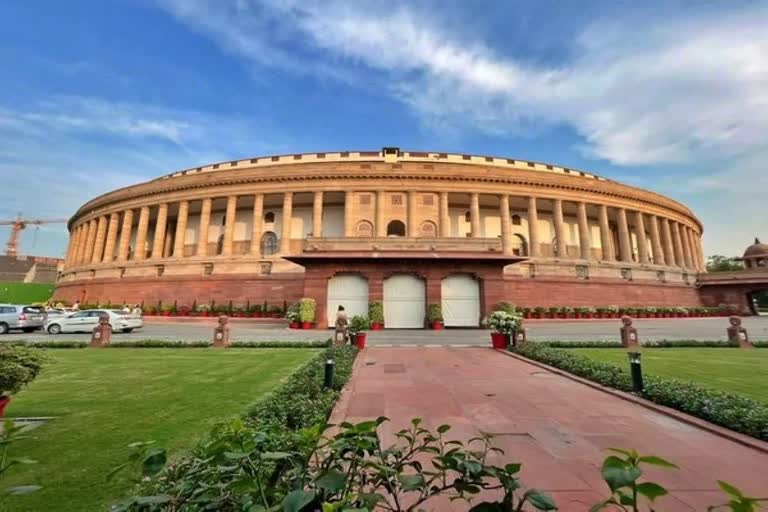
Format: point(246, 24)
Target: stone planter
point(360, 340)
point(437, 325)
point(499, 340)
point(377, 327)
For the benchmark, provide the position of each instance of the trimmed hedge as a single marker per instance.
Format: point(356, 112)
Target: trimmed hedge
point(581, 344)
point(729, 410)
point(280, 344)
point(650, 344)
point(168, 344)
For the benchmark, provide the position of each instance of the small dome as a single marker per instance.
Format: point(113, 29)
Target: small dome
point(756, 250)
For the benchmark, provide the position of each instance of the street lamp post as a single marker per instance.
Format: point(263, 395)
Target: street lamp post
point(636, 371)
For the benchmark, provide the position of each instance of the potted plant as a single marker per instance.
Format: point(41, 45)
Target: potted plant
point(526, 313)
point(376, 315)
point(18, 367)
point(538, 312)
point(554, 311)
point(613, 311)
point(504, 325)
point(293, 316)
point(275, 312)
point(435, 316)
point(566, 312)
point(307, 309)
point(357, 326)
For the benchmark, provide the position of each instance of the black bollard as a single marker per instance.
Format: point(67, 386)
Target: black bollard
point(636, 370)
point(329, 368)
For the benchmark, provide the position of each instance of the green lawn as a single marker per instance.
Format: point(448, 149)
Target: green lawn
point(24, 293)
point(105, 399)
point(728, 369)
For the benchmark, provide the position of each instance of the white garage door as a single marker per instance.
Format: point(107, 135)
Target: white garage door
point(350, 291)
point(404, 297)
point(461, 301)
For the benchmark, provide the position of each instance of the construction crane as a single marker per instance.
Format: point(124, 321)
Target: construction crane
point(18, 225)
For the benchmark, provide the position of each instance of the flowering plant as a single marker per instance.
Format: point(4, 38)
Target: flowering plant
point(504, 322)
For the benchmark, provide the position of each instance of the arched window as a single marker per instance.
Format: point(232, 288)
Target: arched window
point(516, 221)
point(396, 228)
point(364, 229)
point(428, 229)
point(268, 243)
point(519, 245)
point(269, 217)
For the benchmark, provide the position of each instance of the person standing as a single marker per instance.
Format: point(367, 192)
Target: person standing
point(341, 326)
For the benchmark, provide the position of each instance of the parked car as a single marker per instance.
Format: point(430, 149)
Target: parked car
point(19, 317)
point(85, 321)
point(57, 313)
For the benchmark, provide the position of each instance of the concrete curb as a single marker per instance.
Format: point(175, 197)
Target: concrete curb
point(741, 439)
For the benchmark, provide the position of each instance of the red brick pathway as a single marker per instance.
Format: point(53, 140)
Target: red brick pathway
point(559, 429)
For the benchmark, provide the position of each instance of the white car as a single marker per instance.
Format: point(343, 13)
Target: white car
point(85, 321)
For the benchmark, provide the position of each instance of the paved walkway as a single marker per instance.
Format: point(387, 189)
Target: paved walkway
point(559, 429)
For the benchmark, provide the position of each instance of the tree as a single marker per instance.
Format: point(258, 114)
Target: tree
point(719, 263)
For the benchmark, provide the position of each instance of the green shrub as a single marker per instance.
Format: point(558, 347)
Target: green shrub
point(159, 344)
point(503, 322)
point(689, 343)
point(582, 344)
point(376, 312)
point(358, 323)
point(434, 313)
point(507, 307)
point(280, 344)
point(307, 308)
point(293, 313)
point(729, 410)
point(18, 367)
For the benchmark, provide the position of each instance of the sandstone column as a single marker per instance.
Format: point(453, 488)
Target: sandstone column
point(585, 241)
point(125, 236)
point(381, 228)
point(205, 224)
point(557, 212)
point(413, 227)
point(70, 245)
point(258, 219)
point(317, 215)
point(181, 229)
point(160, 224)
point(658, 253)
point(642, 241)
point(445, 217)
point(285, 241)
point(689, 244)
point(669, 252)
point(140, 252)
point(101, 234)
point(348, 207)
point(625, 246)
point(229, 226)
point(686, 248)
point(474, 215)
point(533, 227)
point(506, 225)
point(109, 248)
point(76, 234)
point(605, 234)
point(703, 261)
point(89, 239)
point(678, 244)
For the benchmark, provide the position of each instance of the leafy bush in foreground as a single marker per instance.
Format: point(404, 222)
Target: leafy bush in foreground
point(18, 367)
point(729, 410)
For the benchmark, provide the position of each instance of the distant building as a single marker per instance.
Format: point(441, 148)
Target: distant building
point(29, 269)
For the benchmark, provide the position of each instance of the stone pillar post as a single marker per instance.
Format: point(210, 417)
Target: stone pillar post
point(285, 240)
point(181, 229)
point(506, 225)
point(70, 245)
point(533, 228)
point(205, 224)
point(229, 226)
point(125, 235)
point(76, 235)
point(669, 253)
point(642, 241)
point(700, 245)
point(605, 234)
point(317, 214)
point(101, 234)
point(381, 228)
point(474, 215)
point(257, 225)
point(109, 248)
point(89, 242)
point(585, 241)
point(160, 224)
point(658, 253)
point(413, 227)
point(625, 246)
point(348, 228)
point(678, 244)
point(445, 217)
point(557, 212)
point(687, 260)
point(140, 252)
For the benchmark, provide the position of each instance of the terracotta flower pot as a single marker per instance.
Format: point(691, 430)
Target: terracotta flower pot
point(306, 325)
point(499, 340)
point(377, 327)
point(437, 326)
point(293, 325)
point(360, 340)
point(4, 401)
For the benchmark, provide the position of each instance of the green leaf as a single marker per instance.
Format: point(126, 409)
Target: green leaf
point(651, 490)
point(21, 490)
point(729, 489)
point(22, 461)
point(617, 473)
point(276, 455)
point(153, 500)
point(236, 455)
point(442, 429)
point(333, 481)
point(540, 500)
point(116, 470)
point(297, 500)
point(512, 468)
point(658, 461)
point(153, 462)
point(411, 482)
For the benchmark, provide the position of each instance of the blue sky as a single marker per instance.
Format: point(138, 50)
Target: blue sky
point(671, 96)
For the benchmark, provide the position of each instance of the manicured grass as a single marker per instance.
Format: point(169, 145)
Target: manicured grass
point(24, 293)
point(727, 369)
point(106, 399)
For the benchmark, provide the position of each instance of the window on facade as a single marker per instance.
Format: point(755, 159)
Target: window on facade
point(364, 229)
point(396, 228)
point(428, 229)
point(468, 216)
point(516, 221)
point(397, 200)
point(269, 217)
point(269, 243)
